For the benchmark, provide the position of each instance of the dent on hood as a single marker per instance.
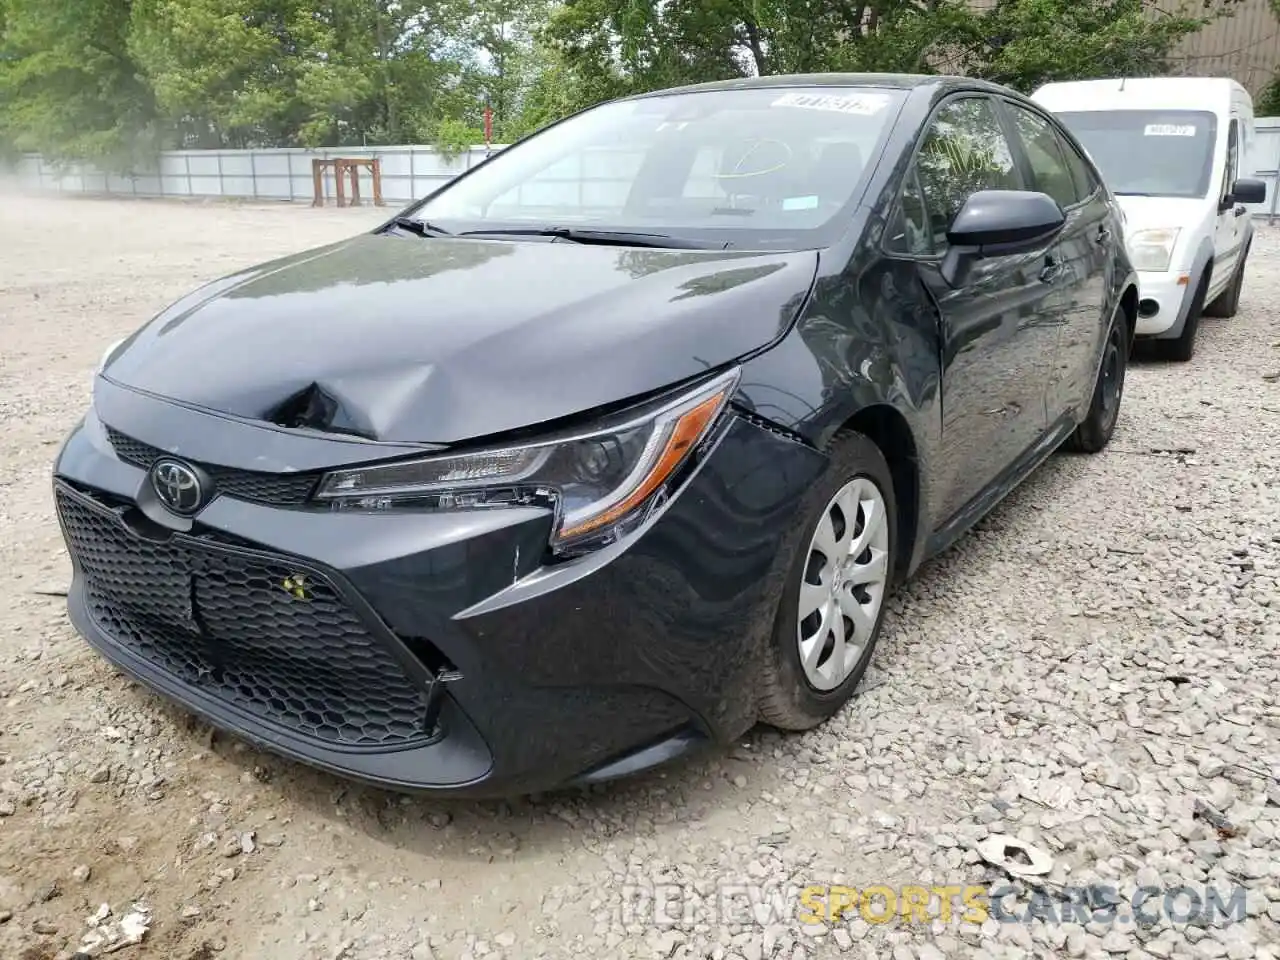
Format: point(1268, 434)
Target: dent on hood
point(444, 341)
point(363, 406)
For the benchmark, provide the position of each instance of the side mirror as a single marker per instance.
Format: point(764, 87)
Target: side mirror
point(1248, 190)
point(998, 223)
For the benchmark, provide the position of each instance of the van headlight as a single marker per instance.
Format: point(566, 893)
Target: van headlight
point(601, 482)
point(1151, 251)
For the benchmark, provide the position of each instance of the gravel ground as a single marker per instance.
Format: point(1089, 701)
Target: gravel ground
point(1094, 670)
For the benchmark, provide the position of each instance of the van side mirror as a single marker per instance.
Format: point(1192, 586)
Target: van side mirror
point(1248, 190)
point(999, 223)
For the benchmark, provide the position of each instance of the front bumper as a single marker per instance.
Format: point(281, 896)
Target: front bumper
point(435, 652)
point(1163, 302)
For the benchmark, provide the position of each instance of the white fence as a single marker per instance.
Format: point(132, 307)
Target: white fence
point(1266, 164)
point(408, 173)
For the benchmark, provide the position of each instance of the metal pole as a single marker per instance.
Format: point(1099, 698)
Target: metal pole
point(1275, 177)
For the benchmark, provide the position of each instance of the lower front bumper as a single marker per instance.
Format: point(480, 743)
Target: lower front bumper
point(1163, 302)
point(455, 762)
point(542, 675)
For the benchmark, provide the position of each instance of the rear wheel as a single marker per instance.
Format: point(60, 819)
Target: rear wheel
point(1099, 424)
point(829, 619)
point(1228, 302)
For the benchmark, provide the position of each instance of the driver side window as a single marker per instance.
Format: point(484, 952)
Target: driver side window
point(964, 150)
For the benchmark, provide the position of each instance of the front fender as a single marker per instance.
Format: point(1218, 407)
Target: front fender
point(868, 341)
point(1201, 265)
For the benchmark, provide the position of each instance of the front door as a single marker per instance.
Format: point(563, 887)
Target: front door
point(994, 340)
point(1085, 248)
point(1229, 235)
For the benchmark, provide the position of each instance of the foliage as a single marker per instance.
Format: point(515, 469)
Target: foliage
point(454, 137)
point(115, 80)
point(1024, 43)
point(1268, 104)
point(67, 84)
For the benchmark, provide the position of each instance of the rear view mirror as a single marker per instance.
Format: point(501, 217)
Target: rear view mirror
point(995, 223)
point(1248, 190)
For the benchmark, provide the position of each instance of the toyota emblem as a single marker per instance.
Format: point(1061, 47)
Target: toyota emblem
point(177, 485)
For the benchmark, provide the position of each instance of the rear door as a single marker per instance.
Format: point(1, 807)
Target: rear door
point(993, 345)
point(1082, 253)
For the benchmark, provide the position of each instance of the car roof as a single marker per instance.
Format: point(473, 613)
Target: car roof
point(894, 81)
point(1139, 93)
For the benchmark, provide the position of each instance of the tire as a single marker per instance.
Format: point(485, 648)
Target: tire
point(1228, 301)
point(1099, 424)
point(790, 699)
point(1184, 347)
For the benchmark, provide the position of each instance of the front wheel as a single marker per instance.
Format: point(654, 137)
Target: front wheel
point(1095, 431)
point(1228, 302)
point(1183, 348)
point(829, 618)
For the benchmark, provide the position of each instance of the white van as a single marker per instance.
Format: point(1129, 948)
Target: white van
point(1172, 149)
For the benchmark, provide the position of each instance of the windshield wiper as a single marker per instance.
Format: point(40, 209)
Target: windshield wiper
point(618, 238)
point(421, 227)
point(1133, 193)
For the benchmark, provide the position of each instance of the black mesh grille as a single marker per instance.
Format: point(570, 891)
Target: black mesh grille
point(227, 622)
point(281, 489)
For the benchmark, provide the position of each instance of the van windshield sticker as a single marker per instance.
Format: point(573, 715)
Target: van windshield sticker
point(1169, 130)
point(863, 104)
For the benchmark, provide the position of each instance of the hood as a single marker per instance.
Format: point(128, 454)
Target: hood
point(442, 340)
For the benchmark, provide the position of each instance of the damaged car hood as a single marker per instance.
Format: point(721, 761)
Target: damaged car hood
point(441, 340)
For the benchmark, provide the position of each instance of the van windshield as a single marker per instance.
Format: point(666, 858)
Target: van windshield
point(1149, 153)
point(748, 167)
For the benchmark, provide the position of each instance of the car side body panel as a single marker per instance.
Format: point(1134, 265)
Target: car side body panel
point(870, 336)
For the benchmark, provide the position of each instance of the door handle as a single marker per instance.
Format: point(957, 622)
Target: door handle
point(1241, 210)
point(1103, 235)
point(1052, 267)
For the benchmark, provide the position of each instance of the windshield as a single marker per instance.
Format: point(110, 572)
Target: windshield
point(1157, 153)
point(750, 168)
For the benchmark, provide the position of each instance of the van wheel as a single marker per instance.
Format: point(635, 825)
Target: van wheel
point(1183, 348)
point(1228, 301)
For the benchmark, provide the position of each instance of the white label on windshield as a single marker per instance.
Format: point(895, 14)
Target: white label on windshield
point(862, 104)
point(1169, 130)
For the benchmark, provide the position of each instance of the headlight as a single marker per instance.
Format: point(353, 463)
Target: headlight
point(1152, 250)
point(106, 355)
point(601, 483)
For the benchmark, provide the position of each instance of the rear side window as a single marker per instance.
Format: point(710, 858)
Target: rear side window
point(1086, 183)
point(1046, 154)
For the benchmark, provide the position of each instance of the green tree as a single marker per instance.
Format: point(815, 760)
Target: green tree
point(1268, 104)
point(1024, 43)
point(301, 72)
point(68, 87)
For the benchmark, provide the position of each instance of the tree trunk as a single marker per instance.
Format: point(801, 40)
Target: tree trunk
point(757, 49)
point(384, 59)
